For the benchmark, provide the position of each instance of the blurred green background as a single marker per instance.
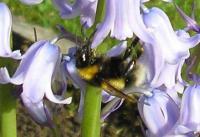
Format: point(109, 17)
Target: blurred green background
point(124, 122)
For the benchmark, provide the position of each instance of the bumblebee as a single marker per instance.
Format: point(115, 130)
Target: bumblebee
point(112, 74)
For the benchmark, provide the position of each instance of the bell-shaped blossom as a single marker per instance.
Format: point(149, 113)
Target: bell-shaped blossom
point(165, 55)
point(5, 30)
point(159, 113)
point(86, 9)
point(31, 2)
point(35, 73)
point(188, 124)
point(122, 23)
point(32, 72)
point(174, 47)
point(190, 111)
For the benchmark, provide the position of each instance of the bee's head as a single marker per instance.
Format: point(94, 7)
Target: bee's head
point(84, 56)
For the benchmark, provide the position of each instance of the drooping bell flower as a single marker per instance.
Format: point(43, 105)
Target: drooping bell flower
point(35, 74)
point(174, 47)
point(122, 23)
point(31, 2)
point(86, 9)
point(188, 124)
point(165, 55)
point(5, 30)
point(190, 111)
point(159, 113)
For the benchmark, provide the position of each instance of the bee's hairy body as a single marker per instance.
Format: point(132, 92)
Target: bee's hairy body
point(113, 74)
point(110, 69)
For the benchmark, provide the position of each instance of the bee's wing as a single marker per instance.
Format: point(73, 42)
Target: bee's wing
point(118, 93)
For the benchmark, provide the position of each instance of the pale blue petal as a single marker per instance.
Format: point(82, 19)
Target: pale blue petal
point(59, 78)
point(162, 31)
point(190, 110)
point(106, 97)
point(104, 28)
point(86, 9)
point(88, 14)
point(111, 107)
point(117, 50)
point(136, 21)
point(5, 30)
point(67, 10)
point(181, 131)
point(159, 112)
point(18, 77)
point(38, 111)
point(37, 82)
point(122, 27)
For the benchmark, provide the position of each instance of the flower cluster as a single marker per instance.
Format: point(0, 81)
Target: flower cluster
point(167, 104)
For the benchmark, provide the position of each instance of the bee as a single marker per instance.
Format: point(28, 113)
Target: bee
point(112, 74)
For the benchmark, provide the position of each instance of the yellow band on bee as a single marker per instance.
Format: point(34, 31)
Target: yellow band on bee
point(89, 72)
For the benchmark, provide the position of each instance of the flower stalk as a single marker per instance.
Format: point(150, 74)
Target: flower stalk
point(8, 112)
point(93, 96)
point(91, 112)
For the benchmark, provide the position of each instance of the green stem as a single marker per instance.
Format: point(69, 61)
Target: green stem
point(8, 112)
point(99, 12)
point(92, 101)
point(91, 113)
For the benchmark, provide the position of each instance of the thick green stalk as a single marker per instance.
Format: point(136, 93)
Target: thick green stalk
point(8, 112)
point(8, 125)
point(92, 101)
point(91, 113)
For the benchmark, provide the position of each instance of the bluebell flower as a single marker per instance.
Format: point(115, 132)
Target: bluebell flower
point(159, 113)
point(86, 9)
point(36, 73)
point(188, 124)
point(116, 11)
point(165, 55)
point(5, 30)
point(190, 111)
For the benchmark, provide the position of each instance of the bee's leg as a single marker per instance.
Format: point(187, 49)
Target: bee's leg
point(118, 93)
point(130, 48)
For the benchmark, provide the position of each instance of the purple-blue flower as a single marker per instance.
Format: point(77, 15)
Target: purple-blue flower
point(36, 73)
point(86, 9)
point(120, 22)
point(159, 113)
point(190, 111)
point(165, 55)
point(5, 30)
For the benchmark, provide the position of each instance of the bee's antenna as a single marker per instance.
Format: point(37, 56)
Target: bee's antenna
point(35, 34)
